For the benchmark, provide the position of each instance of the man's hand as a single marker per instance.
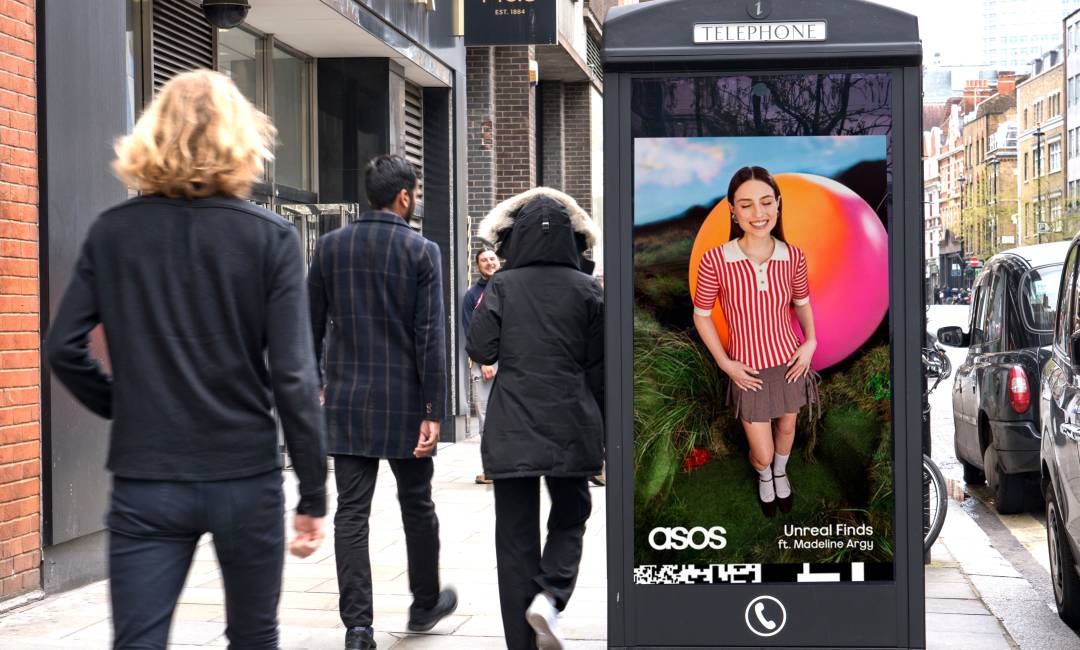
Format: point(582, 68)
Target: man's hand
point(322, 396)
point(309, 535)
point(429, 437)
point(488, 372)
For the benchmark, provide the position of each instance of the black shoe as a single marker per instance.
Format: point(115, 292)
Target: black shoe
point(360, 638)
point(422, 620)
point(768, 509)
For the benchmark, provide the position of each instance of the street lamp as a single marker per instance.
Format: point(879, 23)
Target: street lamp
point(1038, 183)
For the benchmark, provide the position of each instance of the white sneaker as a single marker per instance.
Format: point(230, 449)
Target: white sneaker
point(541, 616)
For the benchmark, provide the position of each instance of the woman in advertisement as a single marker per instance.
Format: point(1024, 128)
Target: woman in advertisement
point(757, 277)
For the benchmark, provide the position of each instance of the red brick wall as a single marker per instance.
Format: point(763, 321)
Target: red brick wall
point(20, 354)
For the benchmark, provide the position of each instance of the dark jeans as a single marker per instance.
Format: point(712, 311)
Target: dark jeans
point(153, 529)
point(524, 570)
point(355, 476)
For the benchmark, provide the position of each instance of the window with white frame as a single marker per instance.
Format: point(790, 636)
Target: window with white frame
point(1054, 151)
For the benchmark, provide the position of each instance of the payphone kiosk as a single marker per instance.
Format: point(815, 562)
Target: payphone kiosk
point(763, 229)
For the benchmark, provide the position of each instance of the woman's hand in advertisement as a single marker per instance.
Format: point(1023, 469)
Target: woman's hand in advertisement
point(799, 364)
point(743, 375)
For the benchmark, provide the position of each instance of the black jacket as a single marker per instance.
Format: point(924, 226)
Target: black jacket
point(541, 318)
point(205, 311)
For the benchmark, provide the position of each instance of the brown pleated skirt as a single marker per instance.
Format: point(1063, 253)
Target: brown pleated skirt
point(775, 397)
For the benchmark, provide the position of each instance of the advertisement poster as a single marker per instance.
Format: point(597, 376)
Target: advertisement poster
point(762, 373)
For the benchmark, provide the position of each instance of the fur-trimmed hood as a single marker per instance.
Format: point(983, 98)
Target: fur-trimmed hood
point(496, 225)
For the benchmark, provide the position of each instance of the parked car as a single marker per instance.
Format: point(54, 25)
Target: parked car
point(1010, 330)
point(1059, 406)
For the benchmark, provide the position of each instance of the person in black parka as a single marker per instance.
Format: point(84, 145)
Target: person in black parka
point(541, 319)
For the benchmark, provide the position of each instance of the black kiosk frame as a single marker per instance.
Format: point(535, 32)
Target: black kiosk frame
point(738, 47)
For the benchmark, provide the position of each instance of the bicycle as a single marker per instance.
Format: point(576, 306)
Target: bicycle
point(935, 503)
point(936, 365)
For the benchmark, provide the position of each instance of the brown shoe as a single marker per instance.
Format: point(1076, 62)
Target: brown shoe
point(483, 480)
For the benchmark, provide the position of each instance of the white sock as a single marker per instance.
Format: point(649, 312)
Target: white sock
point(766, 491)
point(779, 466)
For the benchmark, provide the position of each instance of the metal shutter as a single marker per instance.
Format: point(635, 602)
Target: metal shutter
point(592, 55)
point(414, 141)
point(181, 40)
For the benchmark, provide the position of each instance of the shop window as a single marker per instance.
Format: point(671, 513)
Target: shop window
point(292, 117)
point(238, 57)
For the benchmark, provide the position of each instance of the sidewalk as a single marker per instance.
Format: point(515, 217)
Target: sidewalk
point(956, 618)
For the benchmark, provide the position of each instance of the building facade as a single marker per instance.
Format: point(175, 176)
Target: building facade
point(951, 177)
point(1071, 30)
point(989, 219)
point(20, 369)
point(1040, 110)
point(1017, 32)
point(932, 224)
point(535, 109)
point(342, 81)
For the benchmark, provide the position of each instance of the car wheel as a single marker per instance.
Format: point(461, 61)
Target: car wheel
point(1008, 488)
point(972, 475)
point(1063, 576)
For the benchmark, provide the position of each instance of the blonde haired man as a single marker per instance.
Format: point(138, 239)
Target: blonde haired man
point(202, 299)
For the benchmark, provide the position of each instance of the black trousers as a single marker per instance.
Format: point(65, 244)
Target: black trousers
point(355, 476)
point(525, 570)
point(154, 527)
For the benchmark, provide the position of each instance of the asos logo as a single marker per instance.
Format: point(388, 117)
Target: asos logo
point(679, 538)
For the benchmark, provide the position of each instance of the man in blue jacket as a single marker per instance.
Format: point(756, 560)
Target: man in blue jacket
point(481, 377)
point(379, 284)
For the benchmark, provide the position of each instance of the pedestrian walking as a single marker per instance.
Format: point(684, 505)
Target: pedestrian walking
point(541, 319)
point(201, 295)
point(379, 284)
point(481, 377)
point(759, 280)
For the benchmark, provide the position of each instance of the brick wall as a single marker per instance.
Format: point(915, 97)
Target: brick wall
point(515, 122)
point(551, 117)
point(577, 102)
point(480, 110)
point(501, 107)
point(20, 375)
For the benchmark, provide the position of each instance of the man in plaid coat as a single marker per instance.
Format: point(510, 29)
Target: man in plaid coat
point(378, 285)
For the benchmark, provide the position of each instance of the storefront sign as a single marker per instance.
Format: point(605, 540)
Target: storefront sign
point(793, 31)
point(510, 22)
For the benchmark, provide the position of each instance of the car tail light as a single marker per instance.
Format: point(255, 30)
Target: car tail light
point(1019, 393)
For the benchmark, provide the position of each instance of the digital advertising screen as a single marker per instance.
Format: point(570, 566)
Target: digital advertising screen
point(763, 430)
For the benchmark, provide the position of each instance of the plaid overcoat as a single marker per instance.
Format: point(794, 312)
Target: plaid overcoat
point(376, 299)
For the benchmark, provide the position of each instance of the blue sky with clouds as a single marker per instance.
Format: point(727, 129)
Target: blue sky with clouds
point(673, 174)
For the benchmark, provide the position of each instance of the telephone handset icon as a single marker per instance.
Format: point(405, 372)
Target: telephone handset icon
point(759, 611)
point(765, 616)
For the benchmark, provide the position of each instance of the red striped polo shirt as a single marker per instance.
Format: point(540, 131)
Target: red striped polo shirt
point(756, 299)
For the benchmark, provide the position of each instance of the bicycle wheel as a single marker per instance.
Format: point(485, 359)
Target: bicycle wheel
point(935, 504)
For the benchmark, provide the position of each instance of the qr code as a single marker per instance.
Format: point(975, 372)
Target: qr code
point(690, 574)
